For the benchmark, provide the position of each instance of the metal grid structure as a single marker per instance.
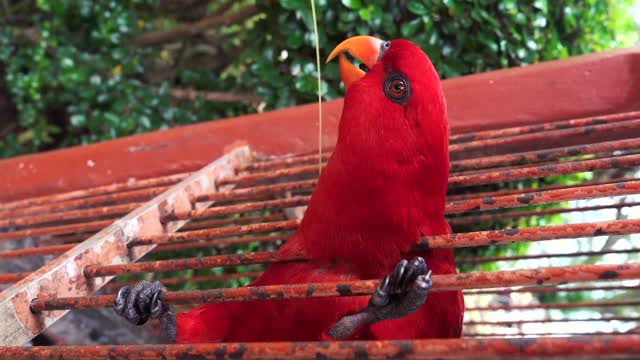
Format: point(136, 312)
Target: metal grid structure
point(500, 178)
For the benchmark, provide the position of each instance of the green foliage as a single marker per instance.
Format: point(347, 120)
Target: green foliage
point(79, 79)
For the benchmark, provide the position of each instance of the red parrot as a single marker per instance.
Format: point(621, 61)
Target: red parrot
point(383, 187)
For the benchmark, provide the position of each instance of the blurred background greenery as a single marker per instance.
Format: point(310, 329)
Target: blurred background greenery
point(74, 72)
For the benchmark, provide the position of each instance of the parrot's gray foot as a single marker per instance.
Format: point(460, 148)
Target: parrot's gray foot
point(142, 301)
point(398, 295)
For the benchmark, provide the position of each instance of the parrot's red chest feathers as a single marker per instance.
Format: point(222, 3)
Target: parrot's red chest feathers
point(386, 181)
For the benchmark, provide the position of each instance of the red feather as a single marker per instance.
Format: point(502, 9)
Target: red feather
point(383, 187)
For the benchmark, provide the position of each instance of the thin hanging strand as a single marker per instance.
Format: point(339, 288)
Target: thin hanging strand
point(315, 31)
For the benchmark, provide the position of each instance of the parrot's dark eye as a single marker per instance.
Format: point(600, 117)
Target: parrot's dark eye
point(396, 87)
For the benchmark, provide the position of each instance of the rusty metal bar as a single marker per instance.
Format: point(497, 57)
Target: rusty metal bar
point(614, 162)
point(554, 289)
point(542, 155)
point(111, 198)
point(474, 219)
point(71, 215)
point(100, 190)
point(580, 347)
point(205, 262)
point(222, 242)
point(528, 129)
point(543, 197)
point(55, 230)
point(503, 192)
point(542, 321)
point(217, 232)
point(11, 278)
point(481, 259)
point(238, 209)
point(191, 280)
point(285, 162)
point(247, 179)
point(548, 165)
point(541, 233)
point(538, 136)
point(546, 306)
point(63, 276)
point(45, 250)
point(546, 333)
point(251, 193)
point(231, 221)
point(64, 238)
point(549, 275)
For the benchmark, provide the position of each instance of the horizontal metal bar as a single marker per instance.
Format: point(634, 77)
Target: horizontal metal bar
point(603, 127)
point(205, 262)
point(510, 323)
point(245, 180)
point(110, 198)
point(60, 248)
point(543, 197)
point(111, 211)
point(582, 347)
point(217, 232)
point(100, 190)
point(536, 171)
point(253, 192)
point(528, 335)
point(482, 259)
point(565, 305)
point(32, 251)
point(238, 209)
point(528, 129)
point(192, 280)
point(554, 289)
point(474, 219)
point(212, 223)
point(56, 230)
point(540, 233)
point(222, 242)
point(286, 162)
point(504, 192)
point(10, 278)
point(536, 156)
point(550, 275)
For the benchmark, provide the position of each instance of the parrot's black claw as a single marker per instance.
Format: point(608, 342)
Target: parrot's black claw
point(142, 301)
point(401, 293)
point(398, 295)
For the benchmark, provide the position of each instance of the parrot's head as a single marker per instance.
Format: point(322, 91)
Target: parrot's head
point(394, 107)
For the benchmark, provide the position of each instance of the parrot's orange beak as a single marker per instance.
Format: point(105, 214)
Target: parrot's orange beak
point(366, 49)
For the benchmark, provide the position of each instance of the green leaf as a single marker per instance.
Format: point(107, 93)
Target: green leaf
point(78, 120)
point(352, 4)
point(410, 28)
point(416, 7)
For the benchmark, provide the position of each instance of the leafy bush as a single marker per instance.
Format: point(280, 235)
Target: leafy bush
point(80, 71)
